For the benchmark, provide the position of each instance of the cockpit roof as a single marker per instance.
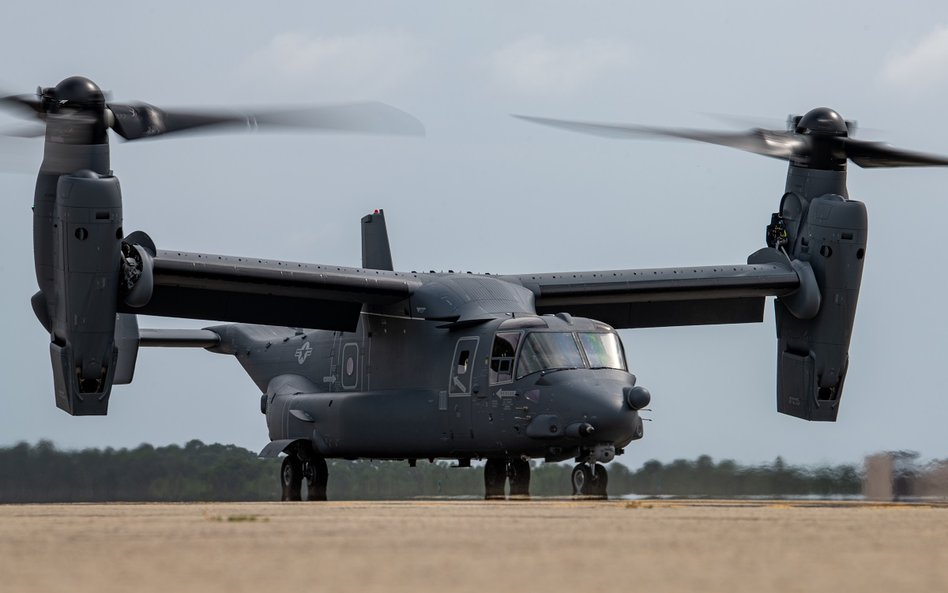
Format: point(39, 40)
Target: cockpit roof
point(559, 322)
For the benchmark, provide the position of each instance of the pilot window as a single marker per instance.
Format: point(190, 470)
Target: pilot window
point(543, 351)
point(603, 351)
point(549, 350)
point(502, 356)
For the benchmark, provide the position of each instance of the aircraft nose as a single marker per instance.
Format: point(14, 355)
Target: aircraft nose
point(607, 402)
point(589, 405)
point(611, 416)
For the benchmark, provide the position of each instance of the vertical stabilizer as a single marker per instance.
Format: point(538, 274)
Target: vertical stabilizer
point(376, 253)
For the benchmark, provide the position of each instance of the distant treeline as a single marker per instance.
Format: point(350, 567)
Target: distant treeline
point(199, 472)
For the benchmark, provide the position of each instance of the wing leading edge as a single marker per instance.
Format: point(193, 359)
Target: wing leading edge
point(270, 292)
point(663, 297)
point(250, 290)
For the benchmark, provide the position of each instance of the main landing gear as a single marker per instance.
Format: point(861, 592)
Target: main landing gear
point(297, 466)
point(590, 479)
point(498, 470)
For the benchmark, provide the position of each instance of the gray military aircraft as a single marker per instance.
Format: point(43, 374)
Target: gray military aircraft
point(373, 363)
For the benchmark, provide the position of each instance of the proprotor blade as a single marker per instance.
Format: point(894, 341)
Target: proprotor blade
point(877, 154)
point(817, 140)
point(772, 143)
point(24, 105)
point(134, 121)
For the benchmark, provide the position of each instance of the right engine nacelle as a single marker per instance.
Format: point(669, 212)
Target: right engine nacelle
point(86, 245)
point(813, 350)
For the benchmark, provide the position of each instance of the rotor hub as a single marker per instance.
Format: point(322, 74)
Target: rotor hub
point(822, 121)
point(75, 92)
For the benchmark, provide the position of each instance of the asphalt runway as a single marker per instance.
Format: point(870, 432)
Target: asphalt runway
point(451, 545)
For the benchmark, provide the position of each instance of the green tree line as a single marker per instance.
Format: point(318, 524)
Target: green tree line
point(200, 472)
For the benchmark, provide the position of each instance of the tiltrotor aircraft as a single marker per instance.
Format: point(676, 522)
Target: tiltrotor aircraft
point(373, 363)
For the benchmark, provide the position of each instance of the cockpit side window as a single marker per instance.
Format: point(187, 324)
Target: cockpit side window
point(502, 356)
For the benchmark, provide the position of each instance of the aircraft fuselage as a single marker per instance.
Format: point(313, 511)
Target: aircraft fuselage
point(404, 388)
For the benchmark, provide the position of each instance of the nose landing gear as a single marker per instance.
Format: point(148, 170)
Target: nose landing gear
point(496, 473)
point(590, 479)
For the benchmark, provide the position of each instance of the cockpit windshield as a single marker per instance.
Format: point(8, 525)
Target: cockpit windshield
point(561, 350)
point(603, 351)
point(544, 350)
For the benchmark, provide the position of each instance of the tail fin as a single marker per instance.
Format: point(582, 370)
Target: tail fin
point(376, 253)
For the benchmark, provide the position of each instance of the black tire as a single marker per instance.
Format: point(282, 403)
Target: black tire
point(519, 473)
point(317, 479)
point(291, 478)
point(600, 482)
point(495, 478)
point(581, 479)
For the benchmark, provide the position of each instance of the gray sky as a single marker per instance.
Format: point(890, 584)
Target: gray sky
point(564, 201)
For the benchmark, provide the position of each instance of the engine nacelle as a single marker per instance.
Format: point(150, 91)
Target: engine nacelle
point(86, 246)
point(829, 237)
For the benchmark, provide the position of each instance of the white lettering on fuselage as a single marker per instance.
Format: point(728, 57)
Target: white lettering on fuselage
point(506, 393)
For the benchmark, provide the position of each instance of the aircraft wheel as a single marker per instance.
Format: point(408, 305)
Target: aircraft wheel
point(581, 479)
point(291, 478)
point(495, 476)
point(317, 479)
point(588, 483)
point(519, 472)
point(600, 481)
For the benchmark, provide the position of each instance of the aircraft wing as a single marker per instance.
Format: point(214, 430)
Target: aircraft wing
point(251, 290)
point(662, 297)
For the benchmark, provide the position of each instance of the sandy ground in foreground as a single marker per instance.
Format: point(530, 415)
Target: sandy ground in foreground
point(548, 545)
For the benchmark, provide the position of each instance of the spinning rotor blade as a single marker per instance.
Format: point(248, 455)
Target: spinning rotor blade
point(24, 105)
point(877, 154)
point(134, 121)
point(772, 143)
point(77, 99)
point(818, 140)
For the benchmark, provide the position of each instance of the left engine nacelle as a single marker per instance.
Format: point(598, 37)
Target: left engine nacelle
point(86, 249)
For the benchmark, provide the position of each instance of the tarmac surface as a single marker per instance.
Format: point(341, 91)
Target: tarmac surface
point(452, 545)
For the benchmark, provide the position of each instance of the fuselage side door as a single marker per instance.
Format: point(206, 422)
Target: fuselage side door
point(461, 384)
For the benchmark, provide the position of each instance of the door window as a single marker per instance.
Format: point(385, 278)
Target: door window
point(462, 367)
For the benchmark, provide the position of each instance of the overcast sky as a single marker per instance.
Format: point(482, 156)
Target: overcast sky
point(562, 201)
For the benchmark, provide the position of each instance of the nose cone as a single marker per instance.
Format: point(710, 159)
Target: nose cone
point(597, 397)
point(823, 121)
point(78, 91)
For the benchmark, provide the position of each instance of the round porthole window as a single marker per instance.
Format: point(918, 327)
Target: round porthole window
point(350, 366)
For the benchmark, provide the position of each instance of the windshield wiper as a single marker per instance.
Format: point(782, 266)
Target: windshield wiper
point(554, 369)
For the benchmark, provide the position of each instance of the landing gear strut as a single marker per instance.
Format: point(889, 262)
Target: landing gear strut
point(303, 463)
point(590, 480)
point(496, 473)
